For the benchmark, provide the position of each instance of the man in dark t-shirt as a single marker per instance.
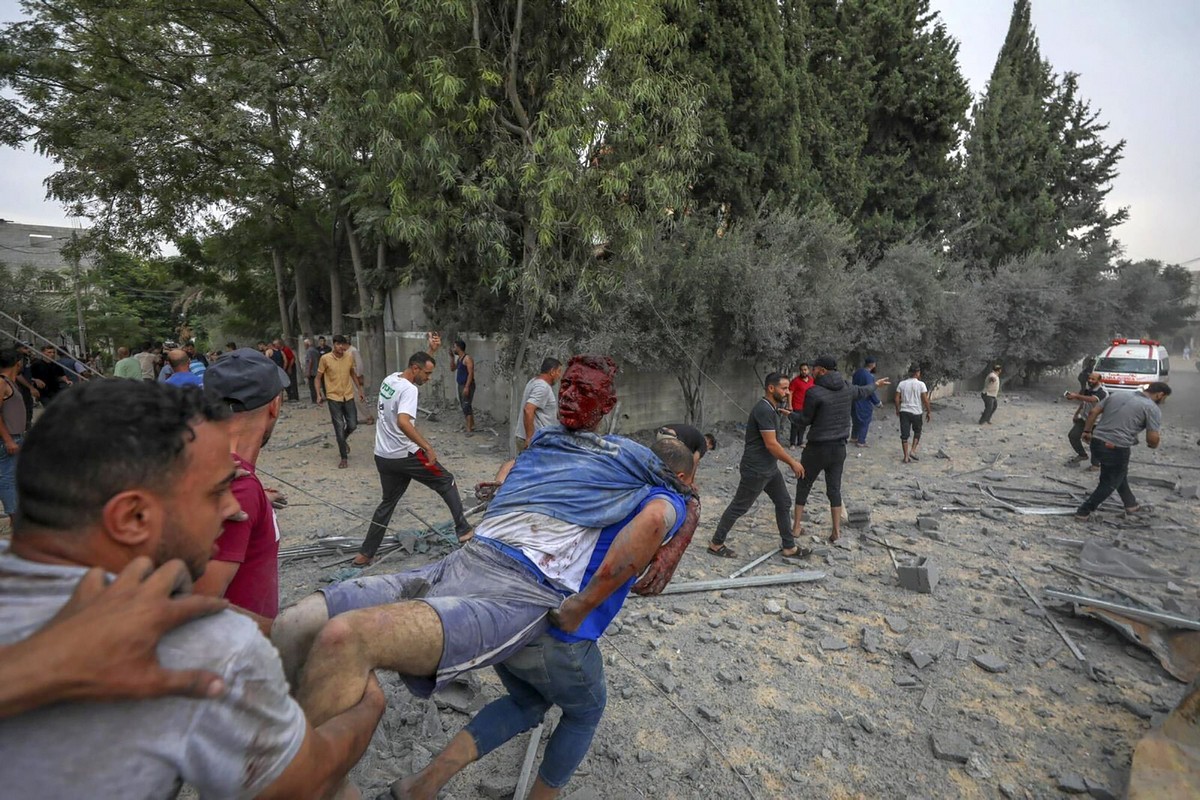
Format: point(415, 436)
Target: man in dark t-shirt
point(49, 372)
point(699, 443)
point(759, 472)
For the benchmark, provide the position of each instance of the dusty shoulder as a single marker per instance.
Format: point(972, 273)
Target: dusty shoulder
point(220, 642)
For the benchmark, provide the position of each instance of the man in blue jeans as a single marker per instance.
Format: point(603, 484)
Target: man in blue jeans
point(1122, 416)
point(564, 667)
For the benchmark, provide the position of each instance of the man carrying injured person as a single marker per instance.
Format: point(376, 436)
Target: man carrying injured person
point(566, 669)
point(527, 563)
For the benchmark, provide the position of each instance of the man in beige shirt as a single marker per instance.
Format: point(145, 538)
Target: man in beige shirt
point(990, 395)
point(338, 382)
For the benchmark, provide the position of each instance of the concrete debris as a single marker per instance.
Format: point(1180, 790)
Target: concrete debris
point(708, 713)
point(920, 658)
point(928, 523)
point(772, 607)
point(870, 640)
point(796, 607)
point(832, 643)
point(897, 624)
point(950, 747)
point(990, 663)
point(918, 574)
point(1071, 784)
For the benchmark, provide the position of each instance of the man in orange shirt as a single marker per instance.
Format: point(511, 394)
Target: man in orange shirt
point(337, 382)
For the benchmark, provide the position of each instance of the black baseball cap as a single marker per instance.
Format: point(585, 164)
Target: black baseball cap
point(826, 362)
point(244, 380)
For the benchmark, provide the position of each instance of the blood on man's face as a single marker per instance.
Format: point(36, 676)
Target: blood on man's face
point(585, 396)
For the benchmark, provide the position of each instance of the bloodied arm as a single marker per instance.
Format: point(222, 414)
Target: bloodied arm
point(666, 559)
point(629, 554)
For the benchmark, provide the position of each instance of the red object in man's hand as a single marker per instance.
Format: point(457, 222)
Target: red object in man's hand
point(662, 567)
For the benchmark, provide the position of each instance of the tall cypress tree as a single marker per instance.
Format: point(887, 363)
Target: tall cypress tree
point(1006, 200)
point(735, 53)
point(917, 101)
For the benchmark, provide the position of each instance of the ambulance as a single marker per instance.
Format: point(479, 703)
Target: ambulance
point(1130, 364)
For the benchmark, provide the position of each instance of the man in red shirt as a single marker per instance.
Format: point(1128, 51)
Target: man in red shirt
point(289, 366)
point(245, 567)
point(798, 388)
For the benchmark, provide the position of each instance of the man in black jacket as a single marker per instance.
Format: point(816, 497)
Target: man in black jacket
point(826, 416)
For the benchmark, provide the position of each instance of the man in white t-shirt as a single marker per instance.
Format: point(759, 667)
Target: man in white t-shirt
point(402, 455)
point(539, 404)
point(912, 400)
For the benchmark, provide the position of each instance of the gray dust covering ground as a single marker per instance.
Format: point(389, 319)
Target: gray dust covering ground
point(847, 687)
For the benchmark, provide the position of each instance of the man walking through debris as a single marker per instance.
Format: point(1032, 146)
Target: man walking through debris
point(864, 407)
point(990, 395)
point(760, 473)
point(797, 389)
point(1093, 392)
point(402, 455)
point(464, 378)
point(1121, 415)
point(564, 667)
point(338, 381)
point(485, 601)
point(826, 417)
point(912, 400)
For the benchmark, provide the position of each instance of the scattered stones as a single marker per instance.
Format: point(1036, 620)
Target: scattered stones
point(905, 681)
point(897, 624)
point(708, 713)
point(1174, 588)
point(1098, 790)
point(950, 747)
point(920, 658)
point(963, 652)
point(772, 607)
point(832, 643)
point(497, 786)
point(870, 640)
point(1010, 791)
point(796, 607)
point(866, 723)
point(668, 684)
point(1071, 784)
point(990, 663)
point(928, 523)
point(977, 769)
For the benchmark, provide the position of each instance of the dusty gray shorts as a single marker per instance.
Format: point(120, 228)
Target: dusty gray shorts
point(490, 606)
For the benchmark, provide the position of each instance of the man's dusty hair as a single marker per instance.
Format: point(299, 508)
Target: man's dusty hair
point(604, 364)
point(676, 455)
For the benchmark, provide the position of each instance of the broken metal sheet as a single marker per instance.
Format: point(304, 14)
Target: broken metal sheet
point(1045, 511)
point(1177, 649)
point(1166, 762)
point(1162, 483)
point(1101, 559)
point(750, 581)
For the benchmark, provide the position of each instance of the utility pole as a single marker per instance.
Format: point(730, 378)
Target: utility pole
point(78, 296)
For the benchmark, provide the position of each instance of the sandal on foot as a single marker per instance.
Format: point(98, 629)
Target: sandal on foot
point(722, 552)
point(797, 552)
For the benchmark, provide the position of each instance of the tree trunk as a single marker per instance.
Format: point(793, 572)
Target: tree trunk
point(303, 306)
point(373, 320)
point(281, 293)
point(335, 287)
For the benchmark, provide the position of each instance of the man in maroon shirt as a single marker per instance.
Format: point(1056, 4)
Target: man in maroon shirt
point(245, 567)
point(798, 388)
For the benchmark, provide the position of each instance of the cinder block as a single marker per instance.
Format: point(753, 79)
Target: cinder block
point(1189, 492)
point(928, 523)
point(918, 574)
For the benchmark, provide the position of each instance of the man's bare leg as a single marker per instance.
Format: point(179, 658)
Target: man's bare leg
point(837, 523)
point(541, 791)
point(403, 637)
point(426, 784)
point(295, 631)
point(797, 527)
point(904, 447)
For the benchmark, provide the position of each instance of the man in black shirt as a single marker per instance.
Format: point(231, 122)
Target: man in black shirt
point(759, 472)
point(699, 443)
point(49, 374)
point(1093, 392)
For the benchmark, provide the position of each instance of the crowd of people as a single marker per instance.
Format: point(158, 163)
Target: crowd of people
point(230, 693)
